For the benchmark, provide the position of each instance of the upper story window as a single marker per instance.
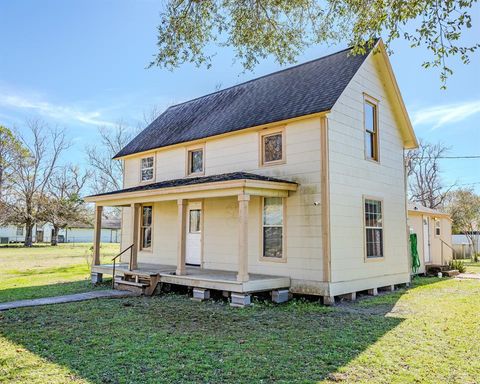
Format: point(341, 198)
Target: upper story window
point(195, 161)
point(438, 230)
point(19, 230)
point(373, 229)
point(272, 149)
point(147, 168)
point(370, 119)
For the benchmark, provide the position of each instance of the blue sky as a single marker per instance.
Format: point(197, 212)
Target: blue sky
point(83, 64)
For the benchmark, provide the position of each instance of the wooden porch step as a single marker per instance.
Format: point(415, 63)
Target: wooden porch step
point(131, 283)
point(145, 275)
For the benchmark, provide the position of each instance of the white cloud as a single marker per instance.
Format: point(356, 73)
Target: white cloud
point(55, 111)
point(440, 115)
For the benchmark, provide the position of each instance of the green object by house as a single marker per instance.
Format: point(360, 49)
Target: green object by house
point(414, 252)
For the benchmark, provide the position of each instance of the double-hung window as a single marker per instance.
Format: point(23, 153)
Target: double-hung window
point(373, 229)
point(370, 118)
point(146, 227)
point(147, 168)
point(272, 228)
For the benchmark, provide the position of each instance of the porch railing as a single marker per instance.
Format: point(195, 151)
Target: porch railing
point(453, 251)
point(115, 262)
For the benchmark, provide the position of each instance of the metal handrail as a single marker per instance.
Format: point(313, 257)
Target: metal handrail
point(441, 250)
point(447, 244)
point(115, 262)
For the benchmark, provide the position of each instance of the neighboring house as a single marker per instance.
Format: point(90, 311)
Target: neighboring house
point(83, 233)
point(434, 235)
point(294, 180)
point(78, 233)
point(462, 246)
point(16, 234)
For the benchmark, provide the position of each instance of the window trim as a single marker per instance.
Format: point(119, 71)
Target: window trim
point(141, 226)
point(364, 228)
point(152, 180)
point(372, 101)
point(437, 225)
point(282, 259)
point(261, 153)
point(22, 230)
point(189, 150)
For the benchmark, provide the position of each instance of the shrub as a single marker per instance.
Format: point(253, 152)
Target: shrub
point(458, 265)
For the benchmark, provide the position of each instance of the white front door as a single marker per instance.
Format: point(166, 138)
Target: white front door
point(426, 239)
point(194, 234)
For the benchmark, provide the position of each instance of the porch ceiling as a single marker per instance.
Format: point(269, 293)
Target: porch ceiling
point(228, 184)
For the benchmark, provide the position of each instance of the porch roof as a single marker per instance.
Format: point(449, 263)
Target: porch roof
point(226, 184)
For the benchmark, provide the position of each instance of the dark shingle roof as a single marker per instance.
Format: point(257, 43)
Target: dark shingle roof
point(197, 180)
point(307, 88)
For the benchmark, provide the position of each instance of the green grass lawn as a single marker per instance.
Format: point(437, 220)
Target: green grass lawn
point(41, 271)
point(472, 267)
point(427, 334)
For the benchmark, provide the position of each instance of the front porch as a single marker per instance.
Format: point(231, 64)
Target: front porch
point(200, 278)
point(239, 187)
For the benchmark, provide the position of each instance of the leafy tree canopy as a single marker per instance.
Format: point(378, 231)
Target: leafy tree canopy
point(256, 29)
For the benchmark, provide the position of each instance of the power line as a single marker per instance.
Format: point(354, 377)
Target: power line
point(459, 157)
point(447, 157)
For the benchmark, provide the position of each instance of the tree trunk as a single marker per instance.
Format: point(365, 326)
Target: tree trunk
point(54, 240)
point(28, 234)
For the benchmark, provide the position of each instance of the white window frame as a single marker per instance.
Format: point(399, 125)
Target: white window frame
point(366, 227)
point(282, 259)
point(147, 168)
point(266, 133)
point(19, 230)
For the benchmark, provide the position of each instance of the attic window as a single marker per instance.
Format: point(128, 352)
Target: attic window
point(195, 161)
point(272, 147)
point(147, 168)
point(370, 122)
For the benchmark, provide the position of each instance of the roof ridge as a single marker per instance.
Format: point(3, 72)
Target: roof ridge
point(261, 77)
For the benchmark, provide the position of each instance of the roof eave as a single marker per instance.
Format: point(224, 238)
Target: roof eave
point(236, 132)
point(409, 138)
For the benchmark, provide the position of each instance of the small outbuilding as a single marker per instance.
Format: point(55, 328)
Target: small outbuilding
point(433, 230)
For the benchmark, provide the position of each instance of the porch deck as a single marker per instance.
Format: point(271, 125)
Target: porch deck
point(202, 278)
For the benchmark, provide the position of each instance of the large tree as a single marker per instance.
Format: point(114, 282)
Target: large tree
point(256, 29)
point(62, 205)
point(425, 185)
point(32, 173)
point(11, 150)
point(107, 174)
point(464, 207)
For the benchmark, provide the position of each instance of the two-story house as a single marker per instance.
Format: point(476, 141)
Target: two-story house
point(292, 181)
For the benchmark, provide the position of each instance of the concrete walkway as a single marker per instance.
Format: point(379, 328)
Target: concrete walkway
point(110, 293)
point(475, 276)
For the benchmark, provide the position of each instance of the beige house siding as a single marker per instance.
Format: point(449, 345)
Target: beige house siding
point(353, 178)
point(220, 232)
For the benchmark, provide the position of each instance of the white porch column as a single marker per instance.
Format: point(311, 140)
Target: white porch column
point(181, 247)
point(243, 200)
point(135, 221)
point(97, 232)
